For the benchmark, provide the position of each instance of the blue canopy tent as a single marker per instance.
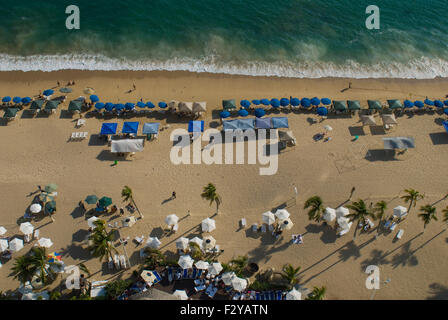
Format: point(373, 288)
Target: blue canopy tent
point(230, 125)
point(280, 122)
point(245, 124)
point(26, 100)
point(119, 106)
point(322, 111)
point(265, 102)
point(263, 123)
point(284, 102)
point(305, 102)
point(196, 126)
point(109, 128)
point(224, 114)
point(295, 102)
point(445, 125)
point(129, 106)
point(245, 103)
point(151, 128)
point(275, 103)
point(419, 104)
point(243, 113)
point(326, 101)
point(150, 105)
point(48, 92)
point(17, 100)
point(259, 112)
point(141, 104)
point(438, 103)
point(6, 99)
point(256, 102)
point(315, 101)
point(94, 98)
point(109, 106)
point(429, 102)
point(99, 105)
point(408, 103)
point(162, 105)
point(130, 127)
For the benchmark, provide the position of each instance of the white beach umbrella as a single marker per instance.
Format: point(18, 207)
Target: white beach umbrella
point(286, 224)
point(342, 212)
point(328, 128)
point(268, 217)
point(45, 242)
point(239, 284)
point(185, 262)
point(329, 214)
point(2, 231)
point(26, 228)
point(90, 222)
point(203, 265)
point(171, 220)
point(35, 296)
point(227, 278)
point(209, 242)
point(35, 208)
point(294, 295)
point(15, 244)
point(400, 211)
point(182, 243)
point(198, 241)
point(344, 223)
point(208, 225)
point(153, 242)
point(180, 294)
point(3, 245)
point(215, 268)
point(282, 214)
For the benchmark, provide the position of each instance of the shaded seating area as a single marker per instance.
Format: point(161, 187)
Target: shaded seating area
point(11, 114)
point(151, 130)
point(340, 106)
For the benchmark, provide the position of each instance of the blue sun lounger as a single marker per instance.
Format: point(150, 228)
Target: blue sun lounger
point(158, 277)
point(185, 274)
point(170, 274)
point(257, 296)
point(199, 274)
point(263, 296)
point(279, 295)
point(272, 295)
point(194, 273)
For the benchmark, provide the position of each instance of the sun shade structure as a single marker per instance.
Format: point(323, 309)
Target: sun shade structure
point(26, 228)
point(394, 104)
point(275, 103)
point(400, 211)
point(265, 102)
point(259, 112)
point(209, 242)
point(150, 105)
point(429, 102)
point(408, 103)
point(6, 99)
point(245, 103)
point(368, 120)
point(26, 100)
point(268, 217)
point(180, 294)
point(438, 103)
point(284, 102)
point(130, 127)
point(342, 212)
point(65, 90)
point(344, 223)
point(11, 112)
point(90, 222)
point(196, 126)
point(339, 105)
point(239, 284)
point(198, 241)
point(228, 104)
point(17, 100)
point(162, 105)
point(141, 104)
point(224, 114)
point(91, 199)
point(50, 206)
point(105, 202)
point(245, 124)
point(52, 187)
point(315, 101)
point(419, 104)
point(109, 128)
point(129, 106)
point(263, 123)
point(185, 106)
point(230, 125)
point(48, 92)
point(282, 214)
point(37, 104)
point(15, 245)
point(353, 105)
point(215, 268)
point(388, 119)
point(305, 102)
point(286, 224)
point(200, 106)
point(171, 220)
point(322, 111)
point(243, 113)
point(51, 104)
point(202, 265)
point(280, 122)
point(208, 225)
point(153, 242)
point(119, 106)
point(99, 105)
point(109, 106)
point(3, 245)
point(227, 278)
point(399, 143)
point(294, 295)
point(329, 214)
point(295, 102)
point(94, 98)
point(2, 231)
point(374, 104)
point(75, 105)
point(127, 145)
point(45, 242)
point(286, 136)
point(182, 243)
point(185, 262)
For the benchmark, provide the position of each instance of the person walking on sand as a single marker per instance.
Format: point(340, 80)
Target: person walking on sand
point(349, 85)
point(173, 195)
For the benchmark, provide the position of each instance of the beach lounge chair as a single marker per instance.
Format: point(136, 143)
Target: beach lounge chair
point(236, 296)
point(139, 240)
point(80, 123)
point(84, 135)
point(271, 228)
point(169, 271)
point(198, 282)
point(272, 295)
point(200, 288)
point(263, 228)
point(175, 228)
point(199, 274)
point(243, 223)
point(393, 226)
point(116, 262)
point(279, 295)
point(36, 234)
point(400, 234)
point(185, 274)
point(123, 262)
point(110, 263)
point(257, 296)
point(212, 292)
point(194, 273)
point(178, 274)
point(158, 277)
point(387, 224)
point(254, 227)
point(142, 253)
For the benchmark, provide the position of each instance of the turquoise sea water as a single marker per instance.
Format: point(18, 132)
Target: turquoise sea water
point(294, 38)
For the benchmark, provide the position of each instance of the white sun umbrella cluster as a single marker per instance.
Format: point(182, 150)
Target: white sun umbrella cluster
point(400, 211)
point(329, 214)
point(208, 225)
point(209, 242)
point(15, 245)
point(227, 278)
point(2, 231)
point(185, 262)
point(268, 217)
point(180, 294)
point(344, 223)
point(286, 224)
point(182, 243)
point(45, 242)
point(239, 284)
point(294, 295)
point(342, 212)
point(171, 220)
point(35, 208)
point(26, 228)
point(215, 268)
point(282, 214)
point(3, 245)
point(90, 222)
point(203, 265)
point(153, 242)
point(198, 241)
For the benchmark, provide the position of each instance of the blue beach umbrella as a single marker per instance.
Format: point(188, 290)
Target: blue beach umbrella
point(326, 101)
point(129, 106)
point(445, 102)
point(109, 106)
point(224, 114)
point(429, 102)
point(150, 105)
point(259, 112)
point(245, 103)
point(119, 106)
point(6, 99)
point(162, 105)
point(94, 98)
point(26, 100)
point(265, 102)
point(243, 113)
point(141, 104)
point(419, 104)
point(445, 111)
point(17, 100)
point(275, 103)
point(408, 103)
point(322, 111)
point(256, 102)
point(48, 92)
point(284, 102)
point(305, 102)
point(438, 103)
point(295, 102)
point(315, 101)
point(99, 105)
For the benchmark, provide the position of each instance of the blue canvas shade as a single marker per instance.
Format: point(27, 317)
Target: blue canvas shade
point(130, 127)
point(259, 113)
point(17, 100)
point(109, 106)
point(26, 100)
point(322, 111)
point(265, 102)
point(429, 102)
point(275, 103)
point(445, 125)
point(256, 102)
point(37, 104)
point(6, 99)
point(196, 126)
point(419, 104)
point(109, 128)
point(305, 102)
point(445, 111)
point(162, 105)
point(408, 103)
point(295, 102)
point(243, 113)
point(245, 103)
point(438, 103)
point(315, 101)
point(445, 102)
point(129, 106)
point(151, 128)
point(94, 98)
point(150, 105)
point(245, 124)
point(11, 112)
point(263, 123)
point(141, 104)
point(326, 101)
point(279, 122)
point(353, 105)
point(224, 114)
point(119, 106)
point(48, 92)
point(99, 105)
point(75, 105)
point(51, 104)
point(284, 102)
point(230, 125)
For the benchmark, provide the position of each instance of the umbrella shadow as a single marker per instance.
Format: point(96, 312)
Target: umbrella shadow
point(438, 292)
point(77, 213)
point(157, 232)
point(328, 233)
point(80, 235)
point(76, 252)
point(439, 138)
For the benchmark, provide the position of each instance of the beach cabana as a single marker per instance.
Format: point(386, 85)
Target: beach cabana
point(394, 104)
point(208, 225)
point(259, 112)
point(126, 145)
point(75, 106)
point(37, 104)
point(244, 124)
point(196, 126)
point(130, 127)
point(388, 119)
point(329, 214)
point(109, 128)
point(368, 120)
point(199, 107)
point(353, 105)
point(339, 105)
point(230, 125)
point(263, 123)
point(185, 107)
point(228, 104)
point(151, 128)
point(399, 143)
point(374, 104)
point(280, 122)
point(11, 113)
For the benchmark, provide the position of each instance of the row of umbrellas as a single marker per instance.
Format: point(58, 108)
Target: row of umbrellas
point(103, 202)
point(285, 102)
point(282, 215)
point(16, 244)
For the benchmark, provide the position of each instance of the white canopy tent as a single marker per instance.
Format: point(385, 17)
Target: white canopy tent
point(215, 268)
point(3, 245)
point(15, 245)
point(45, 242)
point(26, 228)
point(239, 284)
point(127, 145)
point(400, 211)
point(185, 262)
point(203, 265)
point(153, 242)
point(342, 212)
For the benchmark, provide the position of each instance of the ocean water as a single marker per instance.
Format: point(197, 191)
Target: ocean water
point(292, 38)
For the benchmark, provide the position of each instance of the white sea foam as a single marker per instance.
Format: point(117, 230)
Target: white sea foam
point(422, 68)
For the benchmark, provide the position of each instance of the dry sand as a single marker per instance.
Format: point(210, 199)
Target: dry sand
point(36, 151)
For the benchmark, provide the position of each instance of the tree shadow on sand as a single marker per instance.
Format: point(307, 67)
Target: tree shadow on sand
point(377, 257)
point(438, 292)
point(328, 233)
point(405, 257)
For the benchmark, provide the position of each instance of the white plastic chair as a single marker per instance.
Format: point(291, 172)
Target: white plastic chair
point(36, 234)
point(400, 234)
point(175, 228)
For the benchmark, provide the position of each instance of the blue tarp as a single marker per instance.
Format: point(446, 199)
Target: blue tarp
point(109, 128)
point(263, 123)
point(130, 127)
point(150, 128)
point(279, 122)
point(245, 124)
point(196, 126)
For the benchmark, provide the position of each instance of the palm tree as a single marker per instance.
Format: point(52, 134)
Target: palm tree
point(412, 196)
point(154, 258)
point(196, 251)
point(359, 213)
point(239, 264)
point(316, 208)
point(380, 209)
point(209, 193)
point(25, 267)
point(428, 214)
point(289, 273)
point(317, 293)
point(102, 246)
point(39, 259)
point(127, 195)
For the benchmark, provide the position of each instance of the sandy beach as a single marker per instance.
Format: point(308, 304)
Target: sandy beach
point(37, 151)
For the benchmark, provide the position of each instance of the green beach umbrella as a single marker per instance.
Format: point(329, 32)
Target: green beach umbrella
point(339, 105)
point(92, 199)
point(44, 197)
point(228, 104)
point(105, 202)
point(353, 105)
point(374, 104)
point(394, 104)
point(75, 105)
point(65, 90)
point(50, 206)
point(37, 104)
point(51, 104)
point(11, 112)
point(51, 188)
